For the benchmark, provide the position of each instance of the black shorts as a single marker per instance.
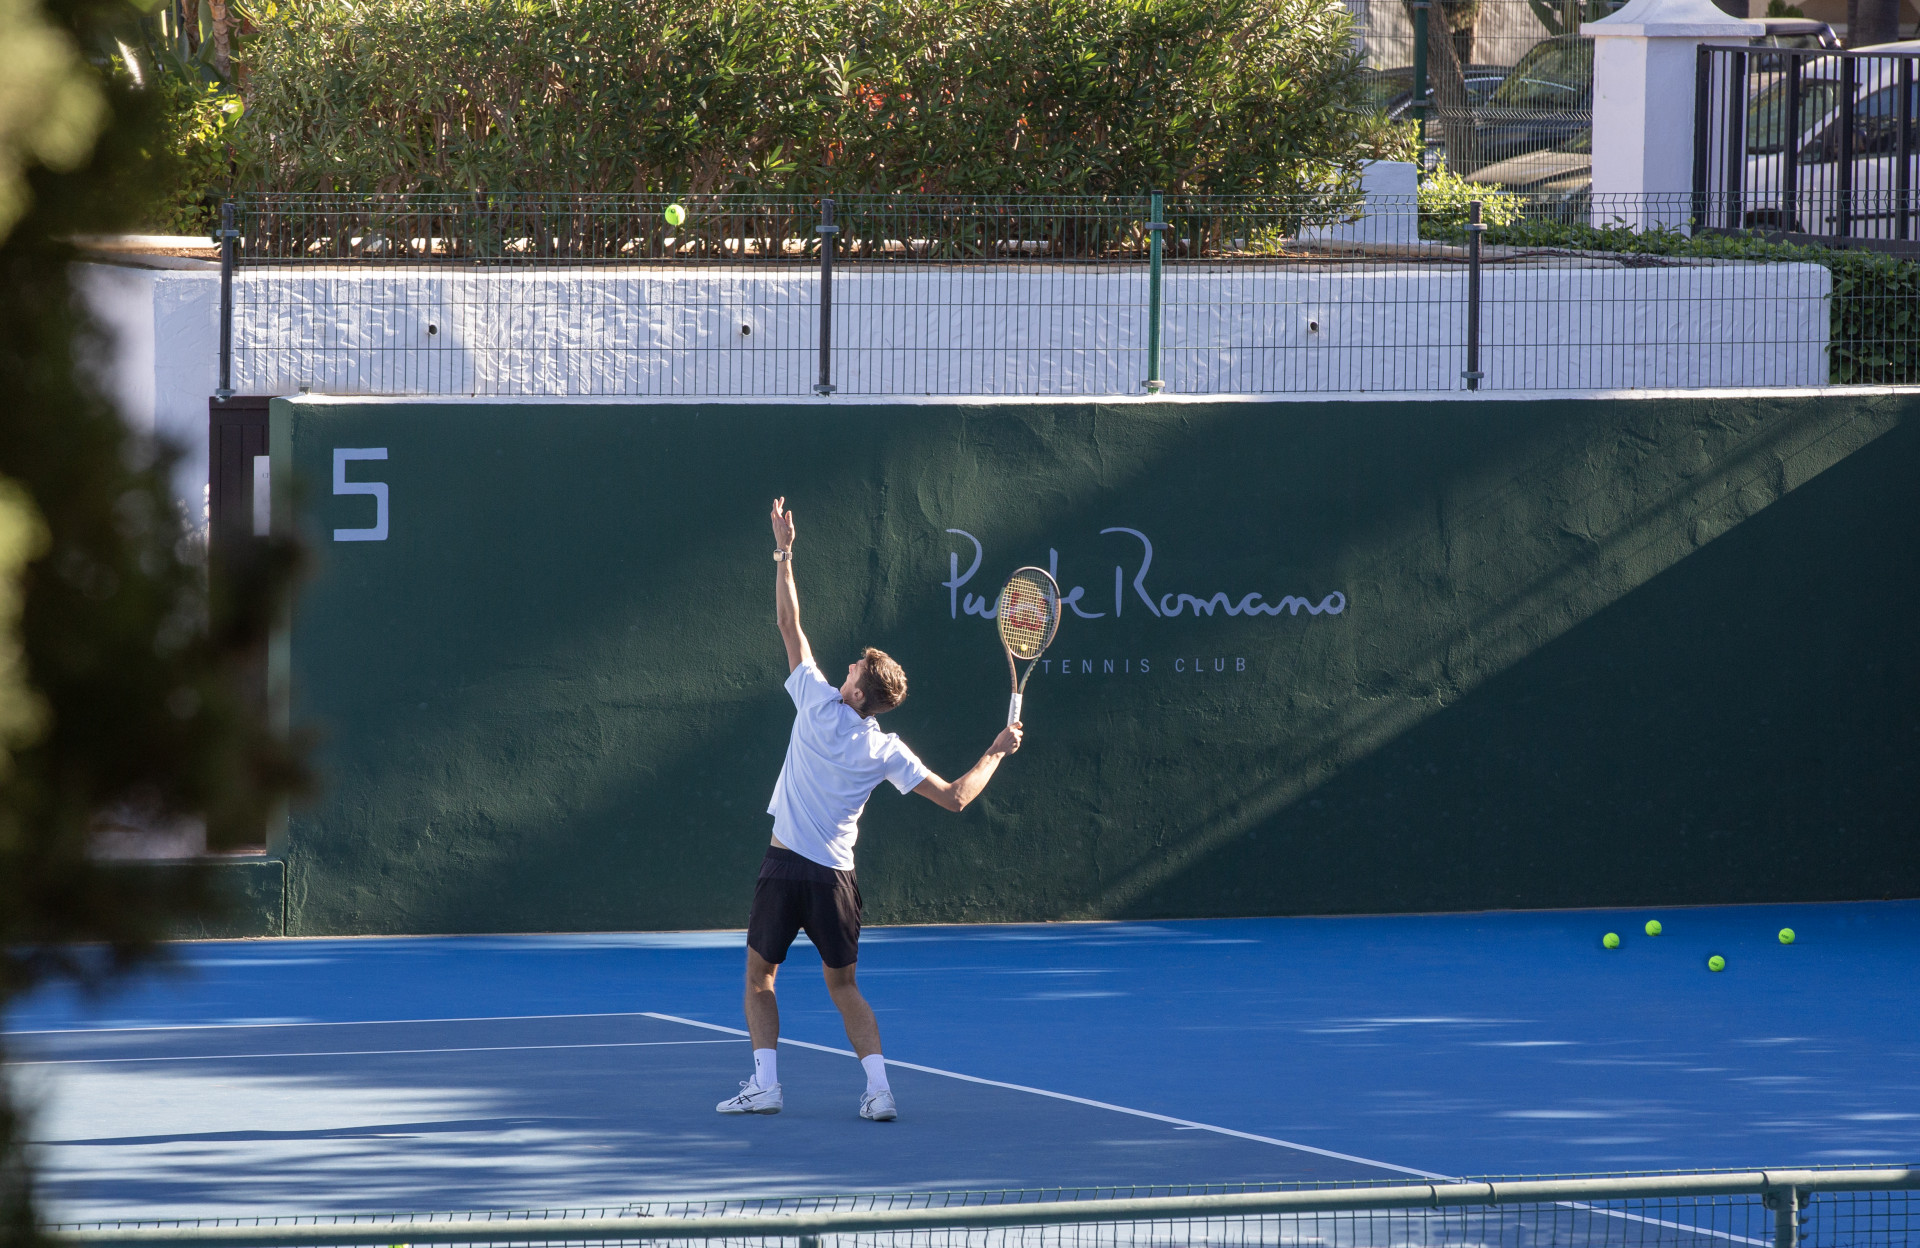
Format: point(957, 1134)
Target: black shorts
point(795, 893)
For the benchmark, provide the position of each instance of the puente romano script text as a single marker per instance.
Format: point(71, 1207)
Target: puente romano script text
point(1166, 605)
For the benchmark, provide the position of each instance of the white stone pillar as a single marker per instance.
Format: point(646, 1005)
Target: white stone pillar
point(1643, 91)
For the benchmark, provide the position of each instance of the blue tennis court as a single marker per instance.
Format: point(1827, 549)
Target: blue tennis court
point(368, 1074)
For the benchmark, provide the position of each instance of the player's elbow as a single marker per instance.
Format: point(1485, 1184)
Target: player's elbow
point(954, 800)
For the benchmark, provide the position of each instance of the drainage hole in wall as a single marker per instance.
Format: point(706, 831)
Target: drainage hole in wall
point(433, 329)
point(746, 331)
point(1313, 327)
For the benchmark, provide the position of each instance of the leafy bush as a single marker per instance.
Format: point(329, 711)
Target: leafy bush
point(975, 96)
point(1445, 199)
point(1874, 326)
point(200, 120)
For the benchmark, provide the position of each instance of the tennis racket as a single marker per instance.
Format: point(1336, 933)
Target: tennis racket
point(1028, 614)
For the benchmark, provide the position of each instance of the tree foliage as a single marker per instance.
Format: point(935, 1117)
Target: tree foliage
point(123, 669)
point(932, 96)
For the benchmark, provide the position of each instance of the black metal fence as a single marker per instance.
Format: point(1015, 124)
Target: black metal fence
point(1810, 147)
point(903, 295)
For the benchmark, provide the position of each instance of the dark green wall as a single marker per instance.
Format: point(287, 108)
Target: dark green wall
point(1593, 652)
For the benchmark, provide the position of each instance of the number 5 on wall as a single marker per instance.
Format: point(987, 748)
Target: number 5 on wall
point(341, 454)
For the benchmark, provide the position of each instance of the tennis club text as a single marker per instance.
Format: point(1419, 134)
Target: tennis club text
point(1183, 665)
point(1165, 605)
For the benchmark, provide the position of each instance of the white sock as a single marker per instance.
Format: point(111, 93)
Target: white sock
point(876, 1072)
point(766, 1068)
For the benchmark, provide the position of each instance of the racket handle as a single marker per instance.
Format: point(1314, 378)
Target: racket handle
point(1013, 711)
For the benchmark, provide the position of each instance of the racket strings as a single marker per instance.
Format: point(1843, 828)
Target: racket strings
point(1028, 613)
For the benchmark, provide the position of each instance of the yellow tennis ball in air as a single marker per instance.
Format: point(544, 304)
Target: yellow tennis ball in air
point(1716, 963)
point(1786, 935)
point(1611, 940)
point(1653, 927)
point(676, 215)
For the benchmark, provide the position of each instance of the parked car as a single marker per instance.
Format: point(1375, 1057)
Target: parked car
point(1812, 140)
point(1391, 90)
point(1546, 100)
point(1558, 182)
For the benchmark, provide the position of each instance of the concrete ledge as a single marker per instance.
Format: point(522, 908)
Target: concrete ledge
point(1105, 400)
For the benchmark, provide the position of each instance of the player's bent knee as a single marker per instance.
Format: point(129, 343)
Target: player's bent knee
point(760, 972)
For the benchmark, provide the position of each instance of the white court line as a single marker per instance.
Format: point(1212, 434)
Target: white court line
point(1081, 1100)
point(1188, 1124)
point(365, 1022)
point(823, 1048)
point(481, 1048)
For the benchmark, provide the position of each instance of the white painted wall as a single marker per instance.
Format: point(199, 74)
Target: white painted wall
point(165, 330)
point(1643, 95)
point(1034, 329)
point(1292, 327)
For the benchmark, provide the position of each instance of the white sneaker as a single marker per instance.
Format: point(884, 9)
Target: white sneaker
point(878, 1106)
point(754, 1099)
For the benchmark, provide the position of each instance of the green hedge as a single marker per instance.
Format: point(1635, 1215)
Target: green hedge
point(1874, 331)
point(930, 96)
point(201, 121)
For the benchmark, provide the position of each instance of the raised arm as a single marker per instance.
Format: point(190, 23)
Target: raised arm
point(954, 796)
point(786, 598)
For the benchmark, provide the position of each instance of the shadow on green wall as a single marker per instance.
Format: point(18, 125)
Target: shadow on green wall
point(1740, 728)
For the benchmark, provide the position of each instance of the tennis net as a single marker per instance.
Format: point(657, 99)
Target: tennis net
point(1863, 1207)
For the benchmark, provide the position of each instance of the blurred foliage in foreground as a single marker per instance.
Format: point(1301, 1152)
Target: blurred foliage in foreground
point(123, 670)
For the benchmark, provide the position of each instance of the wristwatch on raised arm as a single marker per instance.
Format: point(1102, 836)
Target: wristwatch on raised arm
point(782, 556)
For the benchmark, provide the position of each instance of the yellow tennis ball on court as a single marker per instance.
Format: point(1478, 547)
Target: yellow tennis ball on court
point(1653, 927)
point(1786, 935)
point(1716, 963)
point(1611, 940)
point(676, 215)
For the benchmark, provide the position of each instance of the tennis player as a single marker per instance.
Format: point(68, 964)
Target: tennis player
point(835, 758)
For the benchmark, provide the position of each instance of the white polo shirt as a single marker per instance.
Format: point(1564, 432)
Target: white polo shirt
point(835, 759)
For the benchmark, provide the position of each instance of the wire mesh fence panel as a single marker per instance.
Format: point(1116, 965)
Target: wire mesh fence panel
point(1382, 303)
point(1263, 299)
point(1034, 295)
point(526, 296)
point(1510, 84)
point(902, 295)
point(1859, 1220)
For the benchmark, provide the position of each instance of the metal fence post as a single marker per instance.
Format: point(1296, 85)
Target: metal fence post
point(1474, 231)
point(1420, 8)
point(1787, 221)
point(1156, 229)
point(1843, 171)
point(1785, 1203)
point(1903, 146)
point(826, 230)
point(1737, 86)
point(227, 236)
point(1702, 127)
